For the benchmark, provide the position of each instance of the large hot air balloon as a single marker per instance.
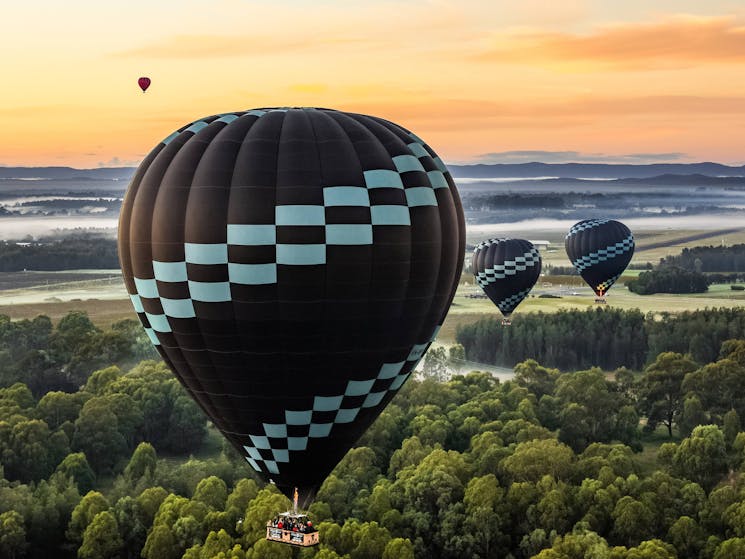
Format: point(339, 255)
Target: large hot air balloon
point(292, 266)
point(506, 269)
point(144, 83)
point(600, 250)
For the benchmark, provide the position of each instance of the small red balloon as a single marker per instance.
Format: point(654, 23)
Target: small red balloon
point(144, 83)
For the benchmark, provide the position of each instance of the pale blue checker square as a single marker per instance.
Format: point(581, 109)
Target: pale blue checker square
point(252, 274)
point(271, 465)
point(153, 337)
point(345, 196)
point(373, 399)
point(146, 288)
point(327, 403)
point(136, 303)
point(437, 179)
point(206, 253)
point(169, 271)
point(210, 292)
point(390, 370)
point(298, 417)
point(297, 443)
point(346, 415)
point(382, 178)
point(256, 113)
point(253, 464)
point(420, 196)
point(417, 351)
point(359, 387)
point(275, 430)
point(406, 163)
point(251, 235)
point(434, 334)
point(196, 127)
point(440, 165)
point(227, 118)
point(260, 441)
point(319, 430)
point(167, 140)
point(301, 255)
point(281, 455)
point(253, 453)
point(418, 149)
point(351, 234)
point(178, 308)
point(158, 322)
point(398, 381)
point(300, 215)
point(390, 215)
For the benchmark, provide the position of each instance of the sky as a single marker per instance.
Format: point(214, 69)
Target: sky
point(481, 81)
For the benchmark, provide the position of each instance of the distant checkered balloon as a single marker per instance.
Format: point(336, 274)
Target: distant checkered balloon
point(506, 269)
point(292, 266)
point(600, 250)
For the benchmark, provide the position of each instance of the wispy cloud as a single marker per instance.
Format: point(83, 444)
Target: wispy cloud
point(531, 156)
point(676, 42)
point(225, 46)
point(118, 162)
point(480, 114)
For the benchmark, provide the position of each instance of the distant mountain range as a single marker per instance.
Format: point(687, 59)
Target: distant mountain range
point(592, 170)
point(66, 173)
point(671, 172)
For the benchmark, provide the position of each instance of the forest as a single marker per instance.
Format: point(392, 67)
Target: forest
point(669, 279)
point(609, 338)
point(71, 251)
point(709, 259)
point(99, 461)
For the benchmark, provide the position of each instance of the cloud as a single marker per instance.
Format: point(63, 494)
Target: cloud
point(676, 42)
point(482, 114)
point(225, 46)
point(531, 156)
point(118, 162)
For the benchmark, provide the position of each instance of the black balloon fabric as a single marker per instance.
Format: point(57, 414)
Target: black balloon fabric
point(292, 266)
point(506, 269)
point(600, 250)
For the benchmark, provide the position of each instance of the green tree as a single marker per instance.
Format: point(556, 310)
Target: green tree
point(213, 492)
point(143, 462)
point(734, 548)
point(702, 456)
point(97, 435)
point(76, 466)
point(101, 379)
point(101, 538)
point(161, 544)
point(687, 537)
point(83, 514)
point(399, 548)
point(662, 389)
point(632, 521)
point(534, 459)
point(12, 535)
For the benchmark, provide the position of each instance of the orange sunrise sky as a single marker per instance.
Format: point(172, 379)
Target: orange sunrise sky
point(480, 80)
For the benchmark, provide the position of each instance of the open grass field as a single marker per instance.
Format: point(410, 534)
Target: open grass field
point(102, 295)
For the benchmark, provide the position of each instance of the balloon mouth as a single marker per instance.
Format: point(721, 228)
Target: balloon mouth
point(305, 494)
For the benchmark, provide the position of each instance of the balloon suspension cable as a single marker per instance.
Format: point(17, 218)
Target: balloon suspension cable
point(294, 501)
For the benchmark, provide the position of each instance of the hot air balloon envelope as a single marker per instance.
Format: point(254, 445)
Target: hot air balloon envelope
point(144, 83)
point(292, 266)
point(600, 250)
point(506, 269)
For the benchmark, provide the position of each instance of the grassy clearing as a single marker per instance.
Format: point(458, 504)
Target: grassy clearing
point(646, 460)
point(102, 313)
